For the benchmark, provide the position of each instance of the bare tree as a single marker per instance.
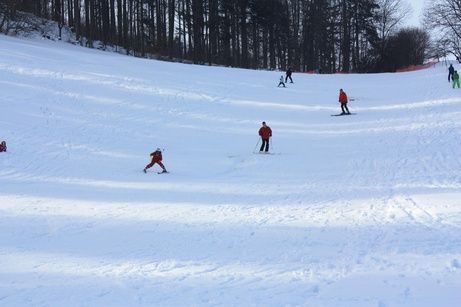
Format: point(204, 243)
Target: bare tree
point(391, 14)
point(443, 17)
point(7, 14)
point(407, 47)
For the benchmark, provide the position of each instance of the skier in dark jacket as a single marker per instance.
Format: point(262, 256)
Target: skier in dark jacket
point(266, 133)
point(156, 159)
point(451, 70)
point(288, 75)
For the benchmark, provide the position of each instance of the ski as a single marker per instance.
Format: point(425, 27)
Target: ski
point(267, 153)
point(340, 114)
point(145, 172)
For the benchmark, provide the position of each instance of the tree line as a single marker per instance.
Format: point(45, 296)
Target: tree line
point(306, 35)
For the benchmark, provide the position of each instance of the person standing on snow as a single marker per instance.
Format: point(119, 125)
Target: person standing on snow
point(455, 79)
point(281, 82)
point(343, 100)
point(451, 70)
point(288, 75)
point(266, 133)
point(156, 159)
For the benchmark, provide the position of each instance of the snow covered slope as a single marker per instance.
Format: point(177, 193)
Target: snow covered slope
point(362, 210)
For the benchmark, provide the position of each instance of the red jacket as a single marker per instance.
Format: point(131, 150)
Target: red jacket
point(156, 156)
point(265, 132)
point(342, 97)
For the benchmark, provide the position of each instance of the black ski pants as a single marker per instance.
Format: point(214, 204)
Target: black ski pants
point(265, 143)
point(286, 79)
point(344, 108)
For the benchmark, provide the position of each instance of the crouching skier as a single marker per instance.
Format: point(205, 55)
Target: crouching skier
point(156, 159)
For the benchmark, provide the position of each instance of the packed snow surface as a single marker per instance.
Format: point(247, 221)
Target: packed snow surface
point(361, 210)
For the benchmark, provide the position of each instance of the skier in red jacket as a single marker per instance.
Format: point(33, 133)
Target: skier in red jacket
point(156, 158)
point(343, 100)
point(2, 146)
point(266, 133)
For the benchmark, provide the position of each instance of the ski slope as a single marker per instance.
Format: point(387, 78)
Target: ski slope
point(360, 210)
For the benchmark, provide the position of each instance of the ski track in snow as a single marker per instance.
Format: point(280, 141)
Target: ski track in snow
point(348, 211)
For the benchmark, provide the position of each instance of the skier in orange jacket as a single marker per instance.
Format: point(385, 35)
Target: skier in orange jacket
point(343, 100)
point(266, 133)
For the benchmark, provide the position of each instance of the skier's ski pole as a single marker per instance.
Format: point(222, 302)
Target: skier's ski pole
point(254, 150)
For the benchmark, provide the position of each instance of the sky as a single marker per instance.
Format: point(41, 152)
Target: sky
point(418, 6)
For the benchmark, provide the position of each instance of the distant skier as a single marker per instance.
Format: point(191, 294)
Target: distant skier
point(156, 158)
point(3, 146)
point(266, 133)
point(451, 70)
point(455, 79)
point(281, 82)
point(343, 100)
point(288, 75)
